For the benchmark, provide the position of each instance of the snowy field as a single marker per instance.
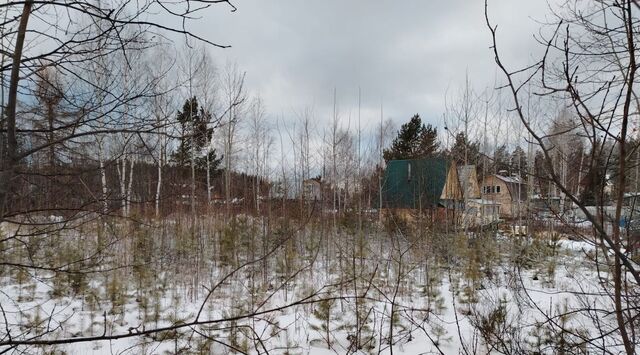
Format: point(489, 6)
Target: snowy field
point(478, 295)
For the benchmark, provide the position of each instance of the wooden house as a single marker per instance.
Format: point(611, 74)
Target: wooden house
point(422, 185)
point(508, 191)
point(477, 211)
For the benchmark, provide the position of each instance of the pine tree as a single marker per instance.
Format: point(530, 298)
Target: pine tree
point(501, 159)
point(414, 140)
point(195, 137)
point(519, 160)
point(465, 152)
point(323, 313)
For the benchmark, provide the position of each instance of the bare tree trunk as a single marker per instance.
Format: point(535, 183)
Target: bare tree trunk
point(380, 171)
point(193, 184)
point(334, 169)
point(208, 179)
point(8, 166)
point(121, 167)
point(159, 184)
point(234, 82)
point(161, 157)
point(618, 277)
point(227, 167)
point(2, 97)
point(103, 176)
point(129, 188)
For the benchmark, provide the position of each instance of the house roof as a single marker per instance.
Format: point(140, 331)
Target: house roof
point(514, 184)
point(415, 183)
point(510, 179)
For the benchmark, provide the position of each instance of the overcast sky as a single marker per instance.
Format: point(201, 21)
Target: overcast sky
point(404, 53)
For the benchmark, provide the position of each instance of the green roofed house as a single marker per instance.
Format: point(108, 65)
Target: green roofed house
point(422, 184)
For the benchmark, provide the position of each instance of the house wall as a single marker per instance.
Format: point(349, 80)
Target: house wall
point(469, 181)
point(508, 209)
point(473, 189)
point(483, 213)
point(416, 183)
point(489, 213)
point(452, 189)
point(428, 188)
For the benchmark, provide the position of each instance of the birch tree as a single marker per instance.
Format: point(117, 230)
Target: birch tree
point(162, 107)
point(261, 143)
point(234, 97)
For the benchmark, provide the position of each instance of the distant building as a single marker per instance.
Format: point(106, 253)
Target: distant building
point(509, 191)
point(312, 189)
point(429, 184)
point(477, 212)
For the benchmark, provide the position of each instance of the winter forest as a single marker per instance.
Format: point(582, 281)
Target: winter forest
point(153, 200)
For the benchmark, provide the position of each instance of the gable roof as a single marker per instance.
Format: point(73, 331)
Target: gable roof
point(418, 183)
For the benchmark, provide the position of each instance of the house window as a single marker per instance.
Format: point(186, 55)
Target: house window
point(498, 189)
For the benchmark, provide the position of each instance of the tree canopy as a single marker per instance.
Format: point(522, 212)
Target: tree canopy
point(414, 140)
point(195, 137)
point(465, 151)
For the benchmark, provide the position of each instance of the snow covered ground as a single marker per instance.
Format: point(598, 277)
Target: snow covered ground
point(434, 307)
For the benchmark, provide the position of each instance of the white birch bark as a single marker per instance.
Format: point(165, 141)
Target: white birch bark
point(129, 193)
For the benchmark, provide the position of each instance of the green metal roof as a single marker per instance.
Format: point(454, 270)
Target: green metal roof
point(415, 183)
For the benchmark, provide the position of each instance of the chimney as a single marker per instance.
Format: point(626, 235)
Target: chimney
point(503, 173)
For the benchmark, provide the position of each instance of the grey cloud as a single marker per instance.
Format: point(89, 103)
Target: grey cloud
point(406, 53)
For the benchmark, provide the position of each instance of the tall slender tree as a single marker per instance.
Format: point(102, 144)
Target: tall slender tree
point(195, 137)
